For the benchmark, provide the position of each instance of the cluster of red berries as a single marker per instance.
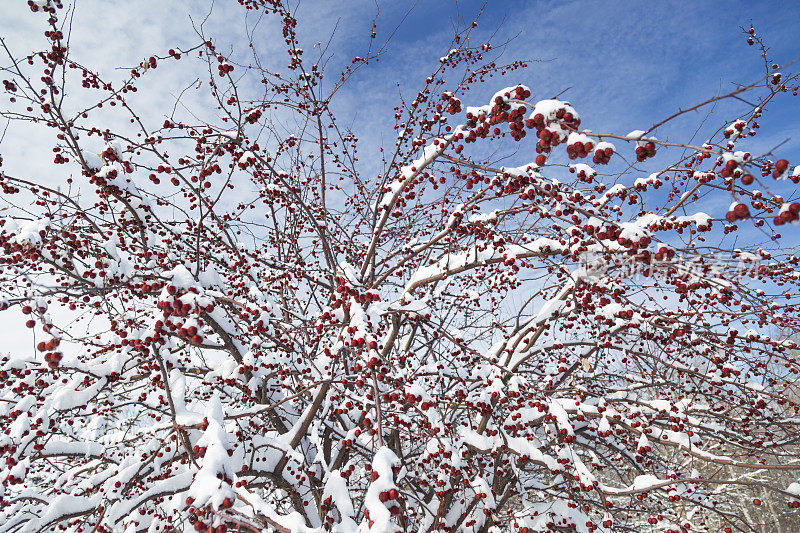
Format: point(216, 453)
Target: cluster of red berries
point(583, 172)
point(109, 154)
point(603, 154)
point(372, 364)
point(664, 253)
point(253, 116)
point(51, 357)
point(579, 149)
point(614, 233)
point(199, 525)
point(549, 138)
point(502, 112)
point(347, 291)
point(737, 212)
point(178, 308)
point(199, 451)
point(729, 169)
point(453, 104)
point(54, 35)
point(737, 126)
point(645, 150)
point(13, 480)
point(792, 214)
point(477, 130)
point(102, 180)
point(223, 66)
point(34, 6)
point(391, 498)
point(781, 166)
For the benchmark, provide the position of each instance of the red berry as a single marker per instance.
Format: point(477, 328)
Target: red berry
point(741, 211)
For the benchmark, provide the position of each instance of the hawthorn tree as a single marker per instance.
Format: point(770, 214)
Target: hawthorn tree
point(238, 326)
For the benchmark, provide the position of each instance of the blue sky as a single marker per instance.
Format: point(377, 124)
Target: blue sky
point(627, 63)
